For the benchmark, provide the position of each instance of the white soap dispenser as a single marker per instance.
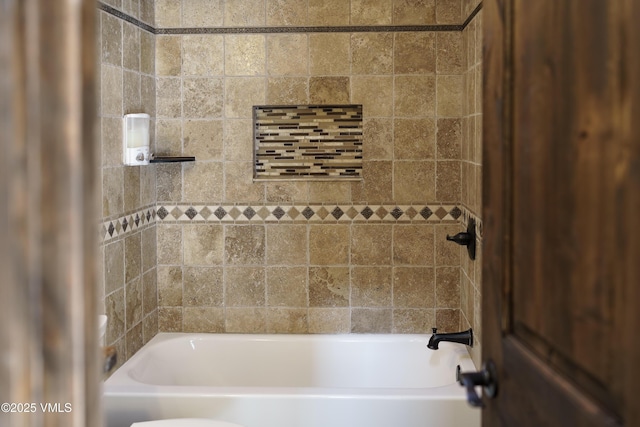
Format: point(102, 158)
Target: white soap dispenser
point(135, 140)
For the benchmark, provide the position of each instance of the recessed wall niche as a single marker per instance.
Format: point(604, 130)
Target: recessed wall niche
point(307, 142)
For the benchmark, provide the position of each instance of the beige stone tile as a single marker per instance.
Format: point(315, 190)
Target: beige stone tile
point(114, 305)
point(246, 320)
point(414, 139)
point(203, 55)
point(286, 13)
point(414, 287)
point(244, 244)
point(202, 13)
point(131, 188)
point(169, 182)
point(329, 90)
point(168, 55)
point(203, 320)
point(111, 84)
point(131, 41)
point(329, 192)
point(147, 53)
point(328, 244)
point(283, 320)
point(286, 244)
point(371, 244)
point(451, 58)
point(149, 245)
point(329, 54)
point(203, 139)
point(478, 44)
point(450, 96)
point(244, 287)
point(238, 183)
point(378, 139)
point(148, 96)
point(371, 320)
point(375, 93)
point(448, 287)
point(148, 13)
point(150, 293)
point(169, 244)
point(244, 13)
point(111, 141)
point(202, 181)
point(329, 286)
point(112, 191)
point(377, 183)
point(168, 98)
point(150, 327)
point(244, 54)
point(131, 92)
point(328, 12)
point(281, 48)
point(241, 93)
point(329, 320)
point(111, 39)
point(447, 320)
point(415, 53)
point(414, 12)
point(415, 96)
point(372, 53)
point(413, 245)
point(133, 294)
point(449, 12)
point(238, 140)
point(203, 244)
point(478, 88)
point(202, 97)
point(168, 13)
point(287, 90)
point(203, 287)
point(287, 287)
point(449, 139)
point(371, 12)
point(287, 192)
point(113, 266)
point(169, 286)
point(448, 183)
point(371, 287)
point(170, 319)
point(134, 340)
point(132, 257)
point(407, 175)
point(413, 320)
point(471, 42)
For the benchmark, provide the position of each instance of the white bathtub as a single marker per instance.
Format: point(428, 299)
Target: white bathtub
point(293, 381)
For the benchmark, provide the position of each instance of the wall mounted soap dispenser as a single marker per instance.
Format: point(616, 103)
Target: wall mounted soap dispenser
point(135, 139)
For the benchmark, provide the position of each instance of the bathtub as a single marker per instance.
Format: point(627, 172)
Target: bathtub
point(292, 381)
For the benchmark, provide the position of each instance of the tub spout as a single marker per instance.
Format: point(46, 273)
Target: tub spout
point(464, 337)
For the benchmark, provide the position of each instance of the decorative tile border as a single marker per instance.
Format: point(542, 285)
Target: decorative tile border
point(283, 30)
point(307, 213)
point(307, 142)
point(127, 224)
point(467, 215)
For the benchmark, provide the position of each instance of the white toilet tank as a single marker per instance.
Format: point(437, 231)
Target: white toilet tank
point(185, 422)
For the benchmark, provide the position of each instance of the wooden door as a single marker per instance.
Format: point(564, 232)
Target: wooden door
point(561, 194)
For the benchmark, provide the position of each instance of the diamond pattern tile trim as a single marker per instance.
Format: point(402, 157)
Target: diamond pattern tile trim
point(129, 223)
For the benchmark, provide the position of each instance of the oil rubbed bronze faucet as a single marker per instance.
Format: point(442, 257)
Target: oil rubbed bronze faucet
point(465, 337)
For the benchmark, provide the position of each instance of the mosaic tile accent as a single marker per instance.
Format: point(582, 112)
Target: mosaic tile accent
point(308, 213)
point(467, 215)
point(307, 142)
point(126, 224)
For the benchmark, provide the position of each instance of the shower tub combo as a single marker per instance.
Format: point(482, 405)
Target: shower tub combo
point(292, 381)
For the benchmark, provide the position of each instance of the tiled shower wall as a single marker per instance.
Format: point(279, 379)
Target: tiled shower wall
point(471, 162)
point(272, 267)
point(257, 273)
point(126, 54)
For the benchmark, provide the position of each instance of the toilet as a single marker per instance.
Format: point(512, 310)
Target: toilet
point(185, 422)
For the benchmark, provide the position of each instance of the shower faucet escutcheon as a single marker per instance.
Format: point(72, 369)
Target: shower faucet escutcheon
point(464, 337)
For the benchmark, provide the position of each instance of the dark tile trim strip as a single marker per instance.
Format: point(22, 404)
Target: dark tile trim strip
point(285, 30)
point(473, 15)
point(125, 17)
